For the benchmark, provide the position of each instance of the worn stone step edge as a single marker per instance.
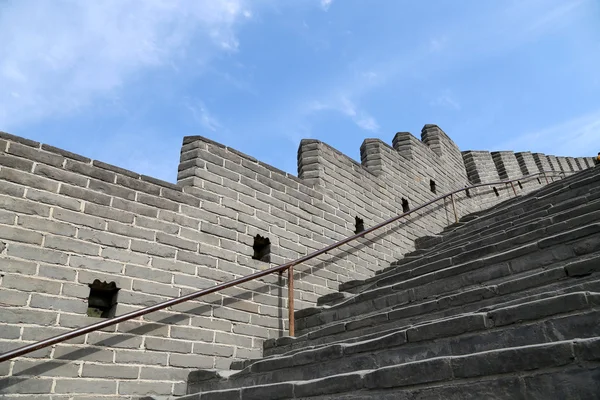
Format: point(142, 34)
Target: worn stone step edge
point(421, 274)
point(550, 291)
point(354, 286)
point(452, 368)
point(572, 268)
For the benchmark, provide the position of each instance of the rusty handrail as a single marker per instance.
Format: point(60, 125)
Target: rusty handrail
point(280, 268)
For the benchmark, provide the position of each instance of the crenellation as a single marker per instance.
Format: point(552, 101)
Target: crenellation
point(506, 164)
point(553, 162)
point(564, 164)
point(527, 163)
point(68, 220)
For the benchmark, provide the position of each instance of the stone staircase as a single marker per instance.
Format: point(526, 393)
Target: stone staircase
point(504, 304)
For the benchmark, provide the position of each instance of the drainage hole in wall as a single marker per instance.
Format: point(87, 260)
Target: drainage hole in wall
point(262, 249)
point(102, 302)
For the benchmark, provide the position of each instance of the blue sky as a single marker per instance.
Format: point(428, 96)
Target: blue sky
point(123, 81)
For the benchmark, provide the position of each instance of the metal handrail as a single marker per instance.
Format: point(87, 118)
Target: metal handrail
point(289, 266)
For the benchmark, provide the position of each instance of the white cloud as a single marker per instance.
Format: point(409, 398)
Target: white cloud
point(204, 117)
point(445, 100)
point(59, 56)
point(577, 137)
point(325, 4)
point(347, 107)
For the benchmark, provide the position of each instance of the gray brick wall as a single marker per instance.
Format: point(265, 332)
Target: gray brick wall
point(66, 220)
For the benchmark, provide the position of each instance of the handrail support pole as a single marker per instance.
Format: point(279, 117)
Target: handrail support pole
point(454, 208)
point(291, 318)
point(513, 188)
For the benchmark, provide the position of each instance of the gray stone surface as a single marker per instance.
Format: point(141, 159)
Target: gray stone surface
point(67, 220)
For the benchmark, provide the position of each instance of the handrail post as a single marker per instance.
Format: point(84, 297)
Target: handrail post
point(291, 319)
point(546, 176)
point(454, 208)
point(513, 187)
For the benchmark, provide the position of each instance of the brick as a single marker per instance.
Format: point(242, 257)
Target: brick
point(85, 194)
point(116, 169)
point(166, 374)
point(138, 184)
point(12, 189)
point(128, 256)
point(23, 206)
point(155, 288)
point(141, 357)
point(152, 248)
point(61, 175)
point(232, 315)
point(103, 238)
point(65, 153)
point(18, 385)
point(178, 219)
point(157, 202)
point(217, 252)
point(211, 323)
point(108, 213)
point(136, 208)
point(112, 340)
point(194, 334)
point(78, 218)
point(44, 332)
point(114, 371)
point(172, 265)
point(144, 388)
point(35, 154)
point(219, 210)
point(179, 197)
point(197, 259)
point(28, 179)
point(75, 290)
point(129, 231)
point(71, 245)
point(218, 231)
point(203, 195)
point(154, 275)
point(199, 237)
point(37, 254)
point(90, 170)
point(156, 225)
point(95, 386)
point(20, 235)
point(57, 304)
point(97, 264)
point(16, 162)
point(53, 199)
point(190, 361)
point(57, 273)
point(94, 354)
point(27, 316)
point(10, 332)
point(176, 241)
point(18, 266)
point(176, 346)
point(198, 214)
point(44, 225)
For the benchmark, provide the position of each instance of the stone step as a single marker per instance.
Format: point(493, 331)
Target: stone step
point(584, 273)
point(496, 268)
point(546, 199)
point(590, 202)
point(535, 210)
point(538, 214)
point(574, 317)
point(452, 336)
point(423, 273)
